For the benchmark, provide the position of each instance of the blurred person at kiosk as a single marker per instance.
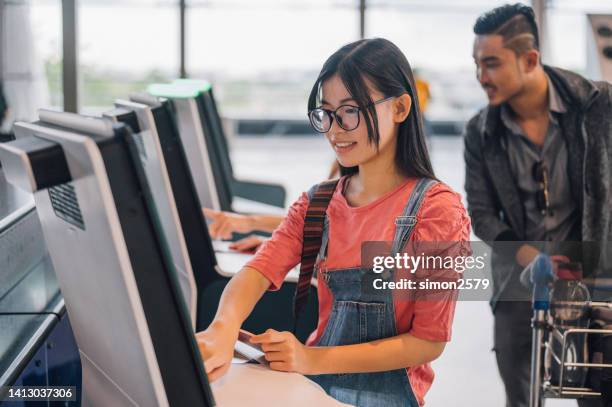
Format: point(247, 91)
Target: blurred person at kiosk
point(224, 224)
point(538, 168)
point(372, 350)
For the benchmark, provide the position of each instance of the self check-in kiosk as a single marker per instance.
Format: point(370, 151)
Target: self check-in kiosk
point(114, 267)
point(213, 126)
point(201, 135)
point(242, 190)
point(157, 116)
point(212, 269)
point(197, 142)
point(140, 120)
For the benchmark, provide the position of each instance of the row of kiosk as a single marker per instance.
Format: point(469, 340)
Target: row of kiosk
point(119, 198)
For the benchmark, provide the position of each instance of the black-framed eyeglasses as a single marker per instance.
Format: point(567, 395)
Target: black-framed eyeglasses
point(540, 175)
point(347, 117)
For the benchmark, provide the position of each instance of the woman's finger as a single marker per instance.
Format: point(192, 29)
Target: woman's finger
point(275, 356)
point(218, 372)
point(205, 351)
point(273, 347)
point(225, 230)
point(213, 228)
point(217, 228)
point(270, 336)
point(212, 363)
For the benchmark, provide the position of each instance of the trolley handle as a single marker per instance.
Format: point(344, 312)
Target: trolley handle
point(539, 274)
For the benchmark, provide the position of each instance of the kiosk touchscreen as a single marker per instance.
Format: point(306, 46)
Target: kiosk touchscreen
point(116, 273)
point(226, 263)
point(195, 231)
point(215, 264)
point(213, 119)
point(154, 167)
point(245, 195)
point(196, 136)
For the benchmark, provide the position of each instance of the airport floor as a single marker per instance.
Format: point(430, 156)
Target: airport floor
point(466, 374)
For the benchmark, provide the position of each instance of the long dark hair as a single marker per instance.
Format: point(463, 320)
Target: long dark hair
point(387, 69)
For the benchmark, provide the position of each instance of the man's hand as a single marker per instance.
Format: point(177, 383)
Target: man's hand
point(541, 270)
point(285, 352)
point(525, 254)
point(224, 223)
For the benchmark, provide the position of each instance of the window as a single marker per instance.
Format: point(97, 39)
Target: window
point(264, 56)
point(124, 46)
point(568, 48)
point(31, 71)
point(437, 38)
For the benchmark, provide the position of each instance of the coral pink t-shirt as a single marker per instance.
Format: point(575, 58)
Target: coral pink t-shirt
point(441, 218)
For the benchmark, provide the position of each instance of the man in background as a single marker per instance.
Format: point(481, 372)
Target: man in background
point(538, 168)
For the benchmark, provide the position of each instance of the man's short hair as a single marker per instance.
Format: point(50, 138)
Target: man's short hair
point(514, 22)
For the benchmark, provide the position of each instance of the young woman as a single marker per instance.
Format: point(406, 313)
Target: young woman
point(367, 350)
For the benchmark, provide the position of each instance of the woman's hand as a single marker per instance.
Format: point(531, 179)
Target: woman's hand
point(248, 244)
point(216, 345)
point(285, 352)
point(224, 223)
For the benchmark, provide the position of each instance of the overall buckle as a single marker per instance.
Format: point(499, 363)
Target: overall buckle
point(406, 220)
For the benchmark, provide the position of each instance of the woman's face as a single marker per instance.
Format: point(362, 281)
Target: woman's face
point(353, 147)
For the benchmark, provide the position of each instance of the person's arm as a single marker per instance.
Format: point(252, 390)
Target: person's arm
point(481, 202)
point(239, 297)
point(224, 223)
point(397, 352)
point(248, 244)
point(286, 353)
point(266, 270)
point(266, 223)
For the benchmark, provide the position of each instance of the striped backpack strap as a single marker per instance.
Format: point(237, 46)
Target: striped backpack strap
point(311, 243)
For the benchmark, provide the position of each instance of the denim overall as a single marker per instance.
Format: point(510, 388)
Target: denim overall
point(358, 317)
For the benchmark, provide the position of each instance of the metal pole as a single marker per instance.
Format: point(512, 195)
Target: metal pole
point(183, 69)
point(539, 8)
point(70, 79)
point(538, 325)
point(362, 11)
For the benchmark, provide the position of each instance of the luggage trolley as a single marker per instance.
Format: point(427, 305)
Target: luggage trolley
point(564, 362)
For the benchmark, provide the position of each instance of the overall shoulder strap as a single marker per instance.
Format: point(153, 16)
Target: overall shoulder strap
point(320, 196)
point(404, 224)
